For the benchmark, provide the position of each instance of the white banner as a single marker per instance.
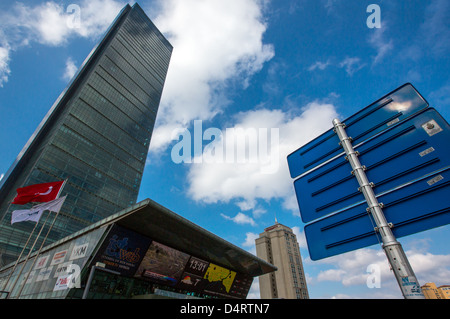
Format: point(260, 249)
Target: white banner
point(26, 215)
point(35, 213)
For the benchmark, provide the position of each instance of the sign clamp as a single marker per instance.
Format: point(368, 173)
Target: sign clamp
point(403, 271)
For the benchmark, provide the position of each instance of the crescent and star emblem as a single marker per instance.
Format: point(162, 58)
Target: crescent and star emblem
point(46, 193)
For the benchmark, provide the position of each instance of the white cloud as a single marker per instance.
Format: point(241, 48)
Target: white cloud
point(44, 23)
point(319, 65)
point(351, 269)
point(51, 23)
point(331, 275)
point(215, 42)
point(245, 182)
point(249, 242)
point(240, 219)
point(70, 70)
point(246, 205)
point(250, 239)
point(96, 16)
point(429, 267)
point(377, 41)
point(4, 65)
point(251, 205)
point(351, 65)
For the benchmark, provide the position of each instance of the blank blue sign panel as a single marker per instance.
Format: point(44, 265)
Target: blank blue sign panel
point(389, 110)
point(418, 206)
point(397, 155)
point(409, 163)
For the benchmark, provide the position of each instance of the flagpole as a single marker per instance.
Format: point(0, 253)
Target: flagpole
point(10, 204)
point(20, 256)
point(39, 251)
point(28, 256)
point(62, 187)
point(29, 237)
point(45, 239)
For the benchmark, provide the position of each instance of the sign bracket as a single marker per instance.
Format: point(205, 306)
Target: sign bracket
point(403, 271)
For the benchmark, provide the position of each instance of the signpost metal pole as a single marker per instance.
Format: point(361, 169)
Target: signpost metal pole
point(402, 269)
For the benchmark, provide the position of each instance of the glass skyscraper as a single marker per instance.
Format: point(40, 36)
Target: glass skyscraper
point(96, 135)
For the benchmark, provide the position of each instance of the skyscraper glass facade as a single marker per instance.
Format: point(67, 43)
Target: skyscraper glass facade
point(96, 135)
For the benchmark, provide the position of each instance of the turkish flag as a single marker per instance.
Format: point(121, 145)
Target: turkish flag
point(38, 193)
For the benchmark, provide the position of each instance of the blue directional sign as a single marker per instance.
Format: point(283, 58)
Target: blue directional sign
point(414, 207)
point(409, 164)
point(387, 111)
point(396, 155)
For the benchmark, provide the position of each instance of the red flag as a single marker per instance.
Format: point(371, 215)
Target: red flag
point(39, 193)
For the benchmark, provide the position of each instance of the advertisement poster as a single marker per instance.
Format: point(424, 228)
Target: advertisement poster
point(135, 255)
point(122, 250)
point(58, 257)
point(219, 279)
point(62, 269)
point(79, 251)
point(202, 276)
point(42, 262)
point(44, 274)
point(162, 264)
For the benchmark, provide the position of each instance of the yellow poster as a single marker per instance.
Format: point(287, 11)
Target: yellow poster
point(217, 274)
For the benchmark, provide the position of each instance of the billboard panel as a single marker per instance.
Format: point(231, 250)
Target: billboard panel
point(193, 275)
point(205, 277)
point(162, 264)
point(135, 255)
point(122, 250)
point(218, 279)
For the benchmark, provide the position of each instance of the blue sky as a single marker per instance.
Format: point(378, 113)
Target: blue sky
point(253, 64)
